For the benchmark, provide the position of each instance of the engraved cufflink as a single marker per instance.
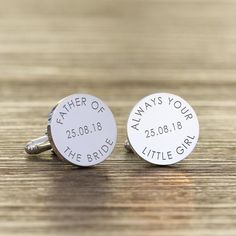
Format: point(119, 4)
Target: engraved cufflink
point(81, 130)
point(162, 129)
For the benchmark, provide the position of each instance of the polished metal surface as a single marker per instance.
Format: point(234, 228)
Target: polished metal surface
point(163, 129)
point(81, 129)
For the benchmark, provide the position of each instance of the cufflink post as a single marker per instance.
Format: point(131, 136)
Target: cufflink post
point(38, 145)
point(127, 146)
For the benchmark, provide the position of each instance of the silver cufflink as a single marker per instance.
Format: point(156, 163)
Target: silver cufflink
point(162, 129)
point(81, 129)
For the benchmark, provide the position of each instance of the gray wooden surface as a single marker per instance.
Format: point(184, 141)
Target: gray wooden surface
point(119, 51)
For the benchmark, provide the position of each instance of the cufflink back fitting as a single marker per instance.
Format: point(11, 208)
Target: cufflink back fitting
point(162, 129)
point(81, 130)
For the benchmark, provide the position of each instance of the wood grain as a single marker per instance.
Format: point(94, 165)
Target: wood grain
point(119, 51)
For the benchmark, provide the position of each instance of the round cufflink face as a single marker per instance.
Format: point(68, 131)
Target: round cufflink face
point(82, 130)
point(163, 129)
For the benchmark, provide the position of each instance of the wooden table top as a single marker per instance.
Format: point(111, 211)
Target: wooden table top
point(119, 51)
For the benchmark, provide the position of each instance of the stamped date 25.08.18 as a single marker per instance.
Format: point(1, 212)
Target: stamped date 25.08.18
point(165, 129)
point(84, 130)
